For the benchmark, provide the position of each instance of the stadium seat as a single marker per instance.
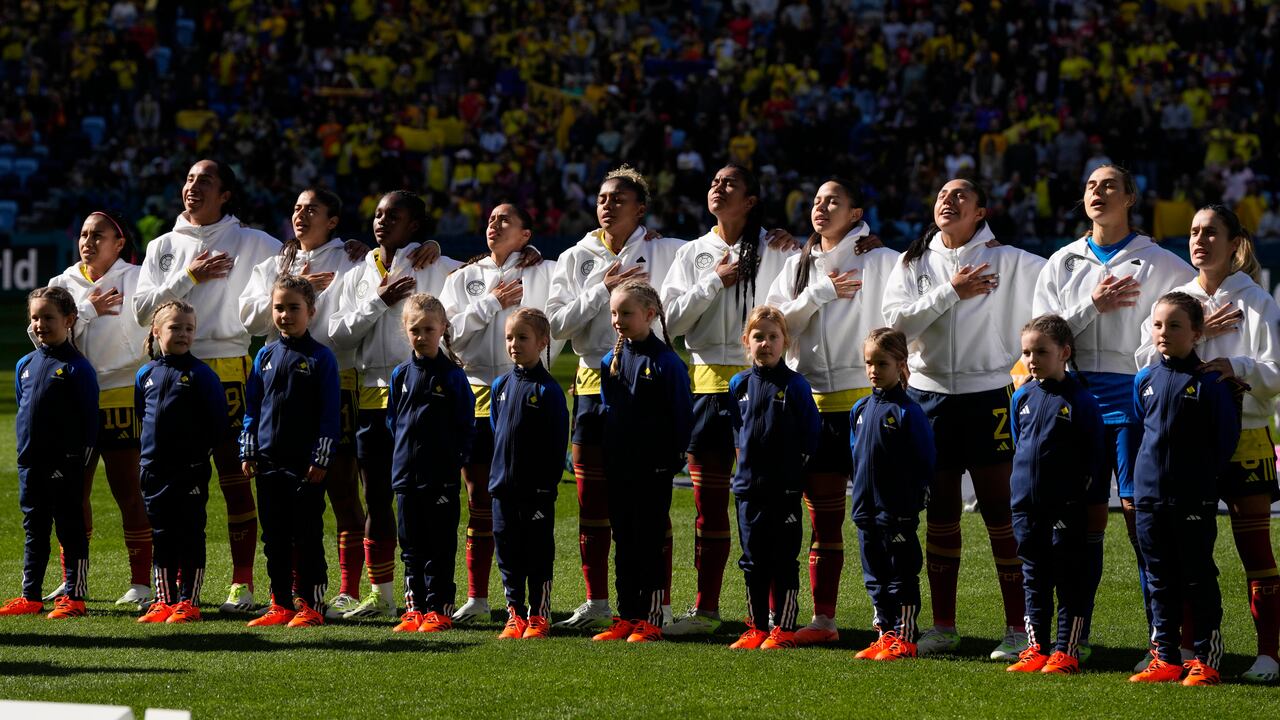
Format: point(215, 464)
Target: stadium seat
point(162, 56)
point(8, 215)
point(95, 128)
point(8, 150)
point(24, 168)
point(6, 166)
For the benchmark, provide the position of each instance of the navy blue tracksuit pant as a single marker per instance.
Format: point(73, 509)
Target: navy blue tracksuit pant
point(1177, 544)
point(53, 499)
point(1052, 546)
point(291, 512)
point(176, 508)
point(891, 562)
point(427, 524)
point(525, 542)
point(769, 528)
point(639, 504)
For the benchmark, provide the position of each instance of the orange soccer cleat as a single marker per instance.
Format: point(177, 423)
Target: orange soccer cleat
point(1199, 673)
point(810, 635)
point(779, 639)
point(157, 613)
point(539, 628)
point(1029, 660)
point(515, 627)
point(184, 612)
point(435, 622)
point(65, 607)
point(619, 630)
point(409, 622)
point(1158, 671)
point(1061, 663)
point(898, 649)
point(643, 632)
point(881, 644)
point(275, 615)
point(304, 615)
point(750, 640)
point(22, 606)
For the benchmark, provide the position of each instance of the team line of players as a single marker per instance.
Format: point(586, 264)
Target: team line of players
point(775, 384)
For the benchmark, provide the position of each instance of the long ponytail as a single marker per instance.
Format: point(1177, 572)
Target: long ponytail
point(1245, 259)
point(805, 267)
point(918, 246)
point(178, 306)
point(749, 243)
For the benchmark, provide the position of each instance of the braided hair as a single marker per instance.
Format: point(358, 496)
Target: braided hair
point(892, 343)
point(535, 319)
point(425, 303)
point(918, 246)
point(332, 203)
point(749, 242)
point(643, 293)
point(173, 306)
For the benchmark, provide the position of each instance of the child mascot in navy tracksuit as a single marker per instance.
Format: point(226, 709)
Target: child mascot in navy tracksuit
point(183, 411)
point(776, 432)
point(1191, 425)
point(648, 411)
point(1059, 474)
point(431, 414)
point(57, 392)
point(530, 431)
point(291, 426)
point(893, 464)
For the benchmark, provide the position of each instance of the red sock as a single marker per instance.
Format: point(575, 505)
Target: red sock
point(594, 532)
point(380, 558)
point(666, 556)
point(942, 558)
point(242, 525)
point(350, 561)
point(825, 500)
point(1252, 534)
point(711, 532)
point(137, 542)
point(1004, 548)
point(479, 555)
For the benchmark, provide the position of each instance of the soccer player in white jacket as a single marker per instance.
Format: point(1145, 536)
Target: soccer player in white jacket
point(101, 283)
point(207, 261)
point(1104, 286)
point(713, 284)
point(578, 308)
point(830, 295)
point(1242, 341)
point(322, 259)
point(370, 302)
point(962, 299)
point(478, 298)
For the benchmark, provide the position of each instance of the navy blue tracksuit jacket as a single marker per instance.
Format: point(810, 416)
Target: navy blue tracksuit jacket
point(1058, 436)
point(291, 405)
point(893, 458)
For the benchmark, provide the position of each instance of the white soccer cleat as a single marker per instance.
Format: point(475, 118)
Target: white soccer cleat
point(372, 606)
point(695, 622)
point(1015, 641)
point(938, 640)
point(138, 596)
point(239, 599)
point(473, 610)
point(340, 604)
point(590, 614)
point(57, 593)
point(1264, 670)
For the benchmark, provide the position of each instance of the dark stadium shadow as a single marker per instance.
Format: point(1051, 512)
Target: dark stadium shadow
point(49, 669)
point(241, 641)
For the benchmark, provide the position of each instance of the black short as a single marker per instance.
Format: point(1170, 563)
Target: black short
point(970, 430)
point(118, 429)
point(349, 413)
point(482, 444)
point(588, 420)
point(713, 424)
point(834, 454)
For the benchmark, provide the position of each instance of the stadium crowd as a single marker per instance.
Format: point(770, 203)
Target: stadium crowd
point(471, 102)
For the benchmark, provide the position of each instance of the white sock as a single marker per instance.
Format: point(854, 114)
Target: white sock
point(822, 622)
point(387, 590)
point(598, 603)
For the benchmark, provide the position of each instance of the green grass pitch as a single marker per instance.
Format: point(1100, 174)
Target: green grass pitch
point(222, 669)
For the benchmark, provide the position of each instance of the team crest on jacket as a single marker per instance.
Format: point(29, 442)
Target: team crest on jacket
point(703, 261)
point(475, 287)
point(166, 262)
point(362, 289)
point(890, 422)
point(923, 283)
point(587, 266)
point(1071, 262)
point(1192, 391)
point(533, 399)
point(304, 367)
point(1064, 412)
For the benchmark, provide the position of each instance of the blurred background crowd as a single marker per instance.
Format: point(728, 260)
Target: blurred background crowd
point(472, 102)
